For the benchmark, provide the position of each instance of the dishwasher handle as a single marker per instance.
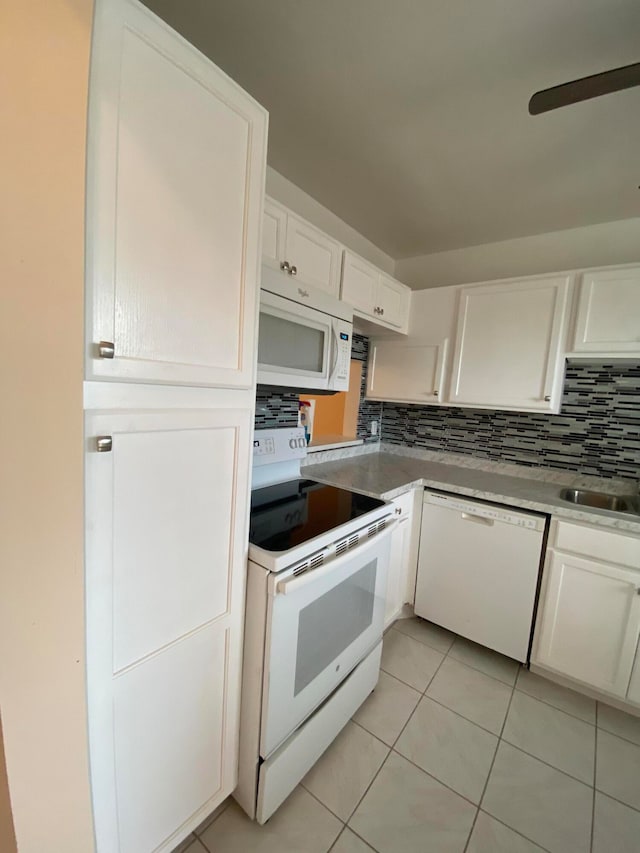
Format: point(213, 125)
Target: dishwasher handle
point(479, 519)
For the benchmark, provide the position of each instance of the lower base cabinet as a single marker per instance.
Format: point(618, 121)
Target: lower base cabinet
point(401, 560)
point(167, 497)
point(588, 623)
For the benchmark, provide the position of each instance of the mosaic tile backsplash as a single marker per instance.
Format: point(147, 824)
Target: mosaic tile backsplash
point(597, 430)
point(279, 409)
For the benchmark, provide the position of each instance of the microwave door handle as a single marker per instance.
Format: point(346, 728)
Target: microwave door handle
point(334, 351)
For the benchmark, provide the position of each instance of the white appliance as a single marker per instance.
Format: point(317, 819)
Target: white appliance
point(478, 571)
point(304, 336)
point(316, 589)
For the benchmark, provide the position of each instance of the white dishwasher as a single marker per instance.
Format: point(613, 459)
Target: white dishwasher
point(478, 570)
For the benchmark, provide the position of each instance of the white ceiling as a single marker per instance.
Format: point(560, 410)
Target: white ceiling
point(408, 118)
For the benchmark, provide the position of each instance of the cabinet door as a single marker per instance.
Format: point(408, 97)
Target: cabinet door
point(315, 255)
point(633, 694)
point(167, 526)
point(274, 226)
point(397, 573)
point(402, 371)
point(509, 345)
point(590, 621)
point(608, 316)
point(393, 302)
point(175, 182)
point(359, 284)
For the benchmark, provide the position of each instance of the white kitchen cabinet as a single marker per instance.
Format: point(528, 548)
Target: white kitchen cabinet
point(589, 615)
point(295, 246)
point(510, 344)
point(406, 371)
point(608, 313)
point(167, 527)
point(415, 369)
point(400, 560)
point(373, 294)
point(175, 190)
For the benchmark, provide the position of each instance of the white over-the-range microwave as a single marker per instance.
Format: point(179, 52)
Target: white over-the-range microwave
point(304, 336)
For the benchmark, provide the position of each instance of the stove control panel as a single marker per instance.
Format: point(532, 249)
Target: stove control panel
point(278, 445)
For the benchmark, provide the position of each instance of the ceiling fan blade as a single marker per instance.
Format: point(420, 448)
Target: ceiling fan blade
point(585, 88)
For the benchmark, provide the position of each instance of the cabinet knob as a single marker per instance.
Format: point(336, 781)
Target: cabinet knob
point(285, 266)
point(104, 444)
point(398, 510)
point(293, 271)
point(435, 393)
point(547, 398)
point(106, 349)
point(382, 310)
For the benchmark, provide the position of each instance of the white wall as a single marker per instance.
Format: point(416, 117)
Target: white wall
point(44, 57)
point(282, 190)
point(591, 246)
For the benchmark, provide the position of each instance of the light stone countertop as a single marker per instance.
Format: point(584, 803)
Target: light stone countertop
point(394, 470)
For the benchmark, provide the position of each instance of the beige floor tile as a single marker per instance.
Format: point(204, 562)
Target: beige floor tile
point(426, 632)
point(567, 743)
point(407, 811)
point(452, 749)
point(301, 825)
point(618, 768)
point(619, 723)
point(215, 814)
point(409, 660)
point(345, 771)
point(486, 660)
point(616, 828)
point(476, 696)
point(386, 711)
point(491, 836)
point(554, 694)
point(350, 843)
point(189, 845)
point(545, 805)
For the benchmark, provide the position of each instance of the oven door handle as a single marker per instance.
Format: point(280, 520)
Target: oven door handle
point(294, 583)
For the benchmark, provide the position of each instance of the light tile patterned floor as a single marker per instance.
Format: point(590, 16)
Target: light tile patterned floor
point(458, 750)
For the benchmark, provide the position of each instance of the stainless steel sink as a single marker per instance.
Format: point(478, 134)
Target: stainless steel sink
point(600, 500)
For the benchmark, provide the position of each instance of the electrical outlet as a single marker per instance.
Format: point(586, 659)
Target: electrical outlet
point(373, 427)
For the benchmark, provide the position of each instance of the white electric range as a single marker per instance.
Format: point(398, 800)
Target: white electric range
point(316, 587)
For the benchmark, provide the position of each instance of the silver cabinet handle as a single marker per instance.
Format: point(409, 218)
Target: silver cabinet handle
point(435, 393)
point(398, 510)
point(293, 271)
point(285, 266)
point(106, 349)
point(104, 444)
point(382, 310)
point(303, 293)
point(547, 398)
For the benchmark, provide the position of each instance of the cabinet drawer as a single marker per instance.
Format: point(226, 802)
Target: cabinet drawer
point(596, 543)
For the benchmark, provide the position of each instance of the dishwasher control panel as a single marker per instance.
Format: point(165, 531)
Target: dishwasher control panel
point(487, 512)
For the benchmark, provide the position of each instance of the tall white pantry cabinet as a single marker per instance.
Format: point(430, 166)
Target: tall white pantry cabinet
point(175, 192)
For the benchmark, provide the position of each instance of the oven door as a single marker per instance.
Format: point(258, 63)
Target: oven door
point(295, 344)
point(320, 625)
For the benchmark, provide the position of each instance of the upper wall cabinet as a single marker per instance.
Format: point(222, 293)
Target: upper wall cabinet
point(175, 183)
point(296, 247)
point(509, 345)
point(373, 294)
point(414, 369)
point(608, 313)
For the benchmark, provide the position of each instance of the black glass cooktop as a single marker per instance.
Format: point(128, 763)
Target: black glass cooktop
point(288, 514)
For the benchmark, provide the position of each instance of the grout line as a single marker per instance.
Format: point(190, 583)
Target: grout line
point(517, 832)
point(493, 761)
point(462, 716)
point(318, 800)
point(546, 763)
point(555, 707)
